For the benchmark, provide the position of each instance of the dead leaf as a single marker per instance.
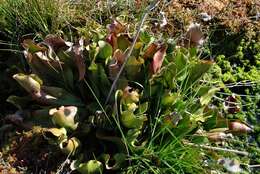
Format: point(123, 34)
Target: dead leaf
point(119, 56)
point(116, 27)
point(194, 36)
point(55, 42)
point(149, 52)
point(158, 59)
point(112, 40)
point(79, 60)
point(238, 127)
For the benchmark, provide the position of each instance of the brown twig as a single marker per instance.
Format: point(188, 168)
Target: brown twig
point(219, 149)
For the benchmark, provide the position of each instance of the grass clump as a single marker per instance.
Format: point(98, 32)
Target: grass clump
point(22, 17)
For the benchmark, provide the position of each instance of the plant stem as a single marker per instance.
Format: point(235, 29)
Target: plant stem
point(150, 8)
point(219, 149)
point(97, 100)
point(254, 166)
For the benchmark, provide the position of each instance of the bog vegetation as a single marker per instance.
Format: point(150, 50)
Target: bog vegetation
point(129, 86)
